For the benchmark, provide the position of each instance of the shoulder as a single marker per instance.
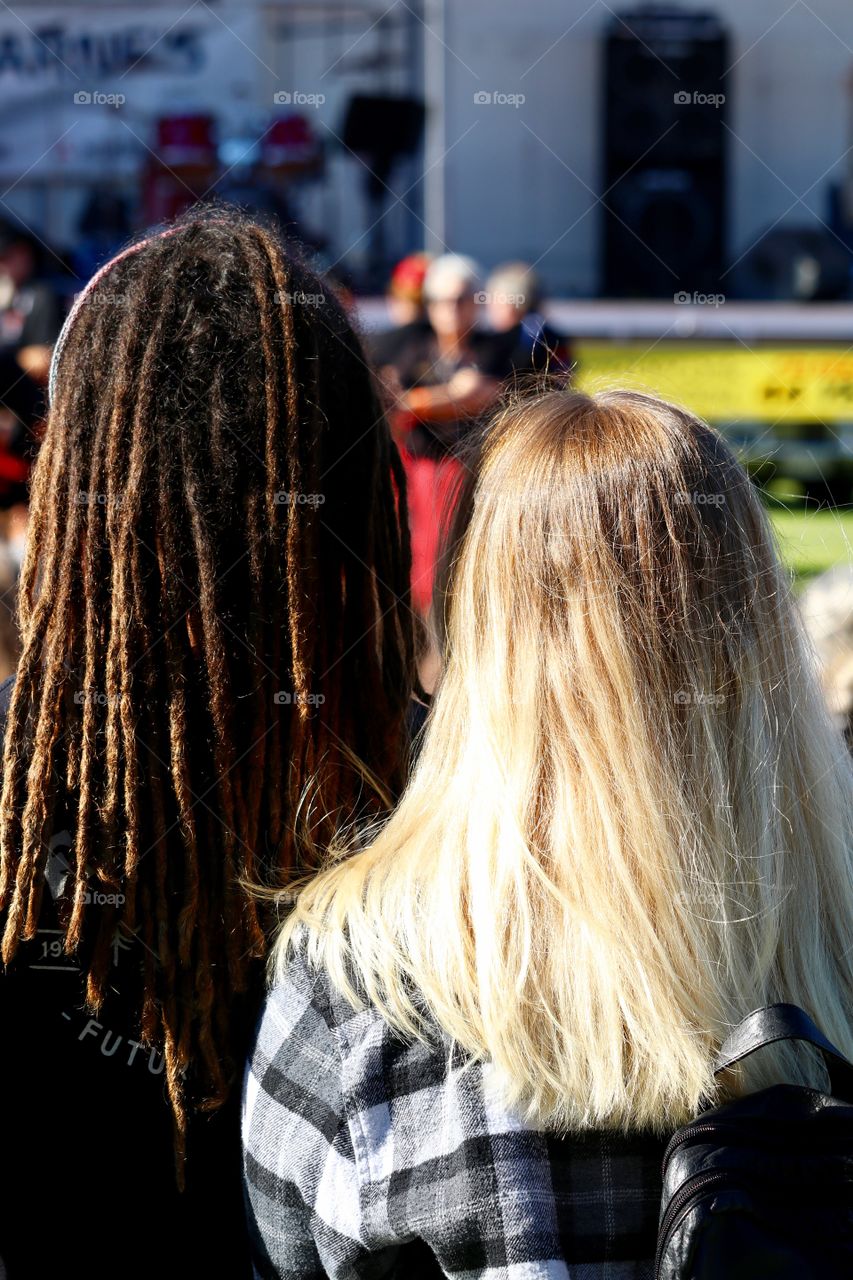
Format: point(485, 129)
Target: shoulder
point(308, 1039)
point(295, 1084)
point(386, 1140)
point(300, 1167)
point(387, 346)
point(296, 1051)
point(303, 1008)
point(318, 1061)
point(490, 345)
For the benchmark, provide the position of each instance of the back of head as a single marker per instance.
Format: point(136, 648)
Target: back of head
point(214, 616)
point(513, 290)
point(630, 822)
point(449, 275)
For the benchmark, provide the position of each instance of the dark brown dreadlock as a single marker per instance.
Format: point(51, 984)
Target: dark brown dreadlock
point(214, 608)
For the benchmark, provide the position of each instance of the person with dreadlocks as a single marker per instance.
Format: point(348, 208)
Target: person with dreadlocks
point(217, 661)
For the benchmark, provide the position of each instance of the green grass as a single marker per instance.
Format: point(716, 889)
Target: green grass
point(813, 540)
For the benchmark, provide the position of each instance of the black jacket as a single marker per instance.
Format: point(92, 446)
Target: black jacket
point(87, 1185)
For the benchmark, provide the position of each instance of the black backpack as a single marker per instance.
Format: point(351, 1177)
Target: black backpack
point(762, 1187)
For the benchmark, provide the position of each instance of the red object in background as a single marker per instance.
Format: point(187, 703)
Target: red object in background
point(432, 485)
point(290, 145)
point(407, 278)
point(185, 167)
point(14, 474)
point(186, 141)
point(13, 469)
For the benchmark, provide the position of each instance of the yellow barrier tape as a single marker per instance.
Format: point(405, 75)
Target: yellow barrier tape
point(725, 382)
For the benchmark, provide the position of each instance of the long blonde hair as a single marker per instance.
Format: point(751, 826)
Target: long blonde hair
point(630, 822)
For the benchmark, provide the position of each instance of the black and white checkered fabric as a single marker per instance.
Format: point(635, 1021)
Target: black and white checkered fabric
point(368, 1156)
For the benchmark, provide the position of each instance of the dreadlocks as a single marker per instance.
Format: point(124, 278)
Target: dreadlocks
point(215, 623)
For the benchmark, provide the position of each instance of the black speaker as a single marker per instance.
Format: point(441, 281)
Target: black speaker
point(383, 128)
point(664, 173)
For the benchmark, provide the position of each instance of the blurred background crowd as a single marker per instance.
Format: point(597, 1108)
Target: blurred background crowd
point(658, 195)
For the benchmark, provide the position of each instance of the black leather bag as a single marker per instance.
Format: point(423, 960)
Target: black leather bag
point(762, 1187)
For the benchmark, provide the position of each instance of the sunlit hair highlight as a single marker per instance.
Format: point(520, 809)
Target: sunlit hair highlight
point(630, 822)
point(217, 641)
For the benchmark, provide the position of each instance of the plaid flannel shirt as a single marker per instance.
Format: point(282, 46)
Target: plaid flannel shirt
point(365, 1155)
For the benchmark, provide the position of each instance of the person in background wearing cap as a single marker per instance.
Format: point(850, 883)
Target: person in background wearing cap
point(521, 336)
point(447, 374)
point(406, 308)
point(452, 372)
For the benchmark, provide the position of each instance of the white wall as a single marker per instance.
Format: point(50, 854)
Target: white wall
point(509, 186)
point(518, 182)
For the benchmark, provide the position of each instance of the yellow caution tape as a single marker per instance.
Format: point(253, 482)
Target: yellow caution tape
point(726, 382)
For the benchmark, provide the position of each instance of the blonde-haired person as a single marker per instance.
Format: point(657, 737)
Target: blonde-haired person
point(629, 825)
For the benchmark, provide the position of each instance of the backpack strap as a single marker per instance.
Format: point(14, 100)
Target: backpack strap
point(776, 1022)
